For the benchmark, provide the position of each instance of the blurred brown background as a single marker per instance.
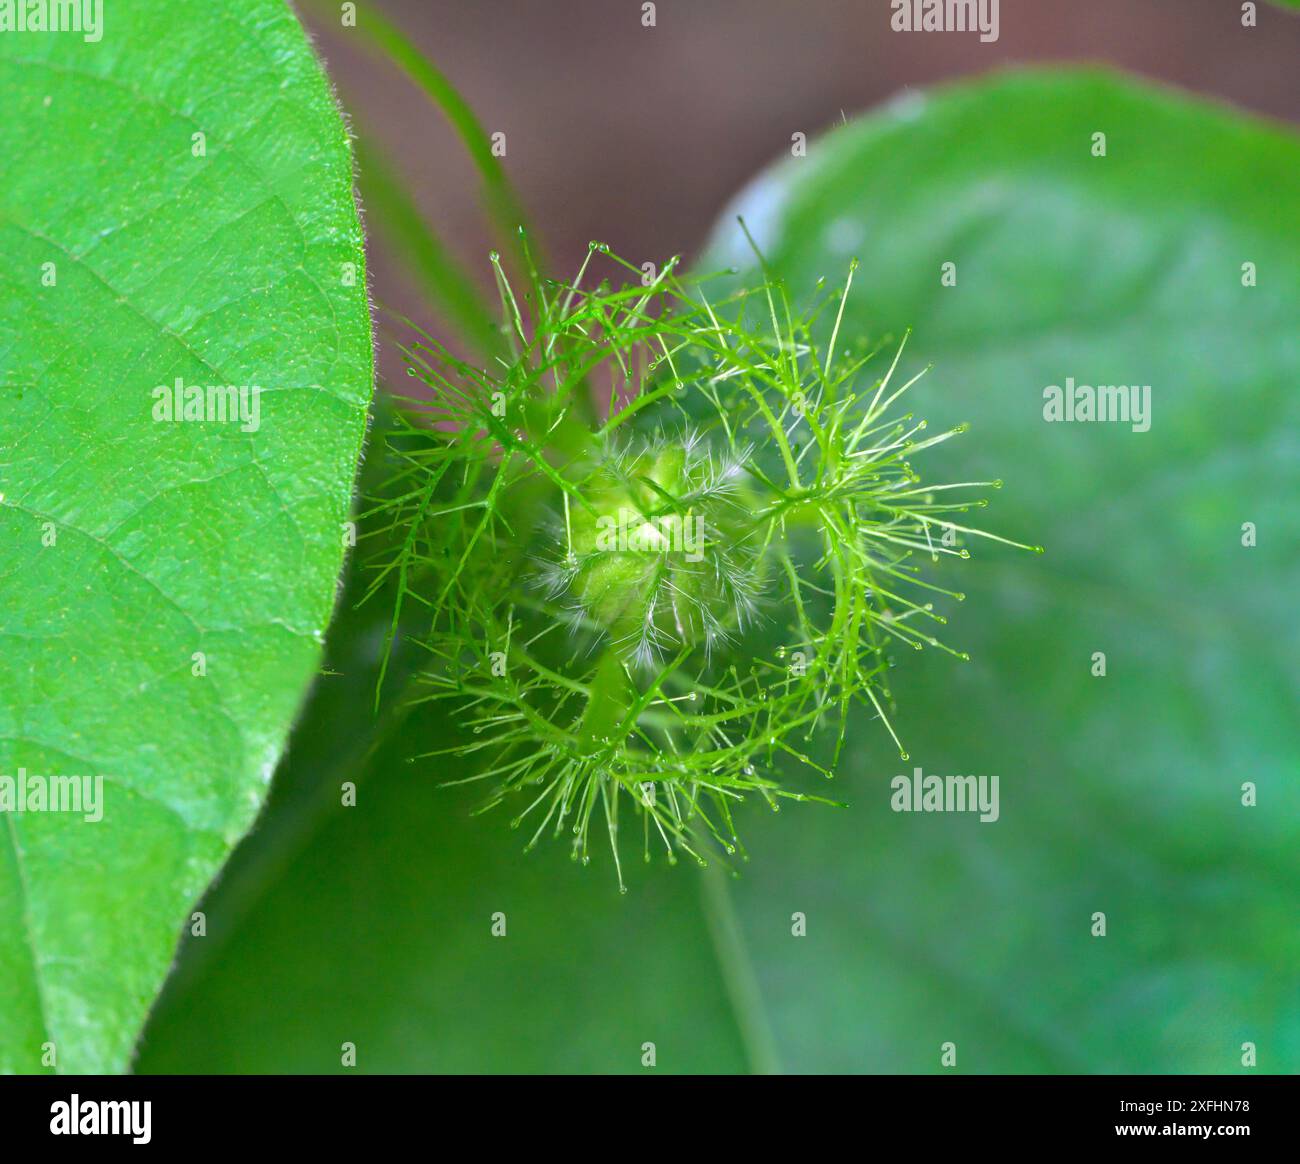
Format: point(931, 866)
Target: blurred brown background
point(639, 136)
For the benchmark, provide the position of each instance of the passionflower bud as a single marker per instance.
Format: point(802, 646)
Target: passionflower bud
point(796, 483)
point(661, 556)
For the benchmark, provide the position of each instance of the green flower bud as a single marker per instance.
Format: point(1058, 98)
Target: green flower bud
point(661, 557)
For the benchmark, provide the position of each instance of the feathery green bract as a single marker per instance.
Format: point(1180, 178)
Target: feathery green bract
point(593, 531)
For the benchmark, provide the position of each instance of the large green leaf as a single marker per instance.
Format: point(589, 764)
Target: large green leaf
point(164, 586)
point(1119, 794)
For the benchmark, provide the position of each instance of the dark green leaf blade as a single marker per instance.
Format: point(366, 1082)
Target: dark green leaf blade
point(1119, 794)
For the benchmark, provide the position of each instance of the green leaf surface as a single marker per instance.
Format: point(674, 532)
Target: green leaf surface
point(1118, 794)
point(396, 900)
point(134, 254)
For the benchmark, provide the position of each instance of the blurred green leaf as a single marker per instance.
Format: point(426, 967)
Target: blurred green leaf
point(1119, 794)
point(134, 258)
point(373, 925)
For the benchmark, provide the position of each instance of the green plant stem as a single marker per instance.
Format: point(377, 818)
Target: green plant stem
point(443, 280)
point(738, 975)
point(502, 205)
